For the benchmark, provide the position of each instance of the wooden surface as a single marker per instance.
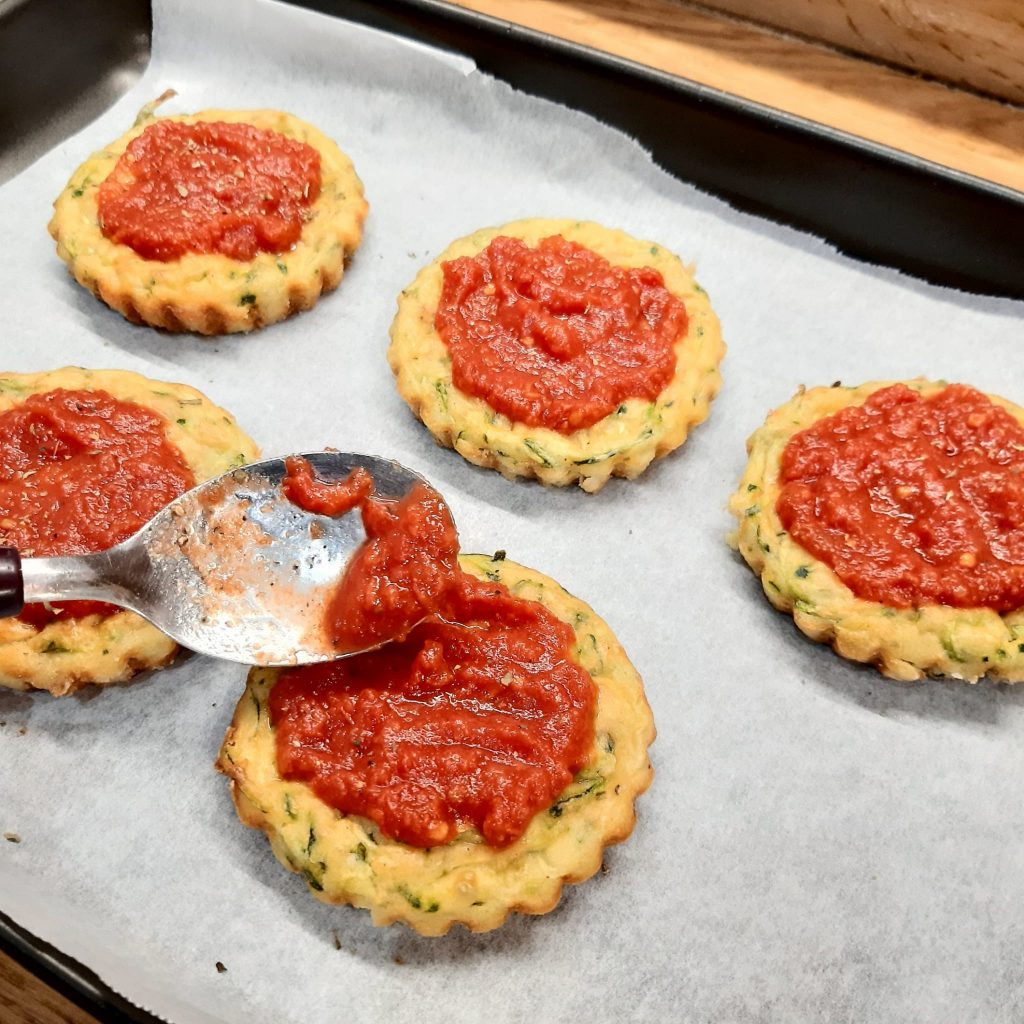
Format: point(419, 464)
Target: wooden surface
point(949, 126)
point(24, 999)
point(975, 43)
point(958, 129)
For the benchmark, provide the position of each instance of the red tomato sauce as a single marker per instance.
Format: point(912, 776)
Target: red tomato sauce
point(402, 572)
point(555, 336)
point(912, 500)
point(81, 471)
point(478, 718)
point(209, 187)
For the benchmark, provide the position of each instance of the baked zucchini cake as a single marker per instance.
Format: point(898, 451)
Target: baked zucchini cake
point(87, 457)
point(465, 772)
point(889, 520)
point(557, 349)
point(215, 222)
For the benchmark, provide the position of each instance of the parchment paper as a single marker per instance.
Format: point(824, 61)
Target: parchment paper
point(819, 844)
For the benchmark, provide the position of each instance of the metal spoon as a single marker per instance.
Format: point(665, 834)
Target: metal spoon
point(231, 568)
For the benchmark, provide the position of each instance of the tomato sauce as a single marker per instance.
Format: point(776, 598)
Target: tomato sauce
point(210, 187)
point(912, 500)
point(401, 573)
point(478, 718)
point(555, 336)
point(81, 471)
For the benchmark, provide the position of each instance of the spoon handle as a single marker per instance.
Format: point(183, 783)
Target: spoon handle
point(11, 585)
point(74, 578)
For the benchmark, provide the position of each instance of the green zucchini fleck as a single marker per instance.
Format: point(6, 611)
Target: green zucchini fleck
point(539, 452)
point(585, 784)
point(312, 880)
point(360, 852)
point(181, 423)
point(248, 299)
point(442, 394)
point(282, 267)
point(54, 648)
point(593, 459)
point(950, 648)
point(288, 806)
point(802, 572)
point(751, 510)
point(414, 901)
point(499, 555)
point(310, 841)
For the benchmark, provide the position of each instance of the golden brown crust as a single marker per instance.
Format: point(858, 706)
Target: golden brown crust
point(623, 443)
point(64, 656)
point(903, 643)
point(345, 859)
point(213, 294)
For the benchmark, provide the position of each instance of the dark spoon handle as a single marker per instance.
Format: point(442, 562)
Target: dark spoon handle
point(12, 591)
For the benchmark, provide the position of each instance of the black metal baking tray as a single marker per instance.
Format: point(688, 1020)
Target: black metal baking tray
point(871, 202)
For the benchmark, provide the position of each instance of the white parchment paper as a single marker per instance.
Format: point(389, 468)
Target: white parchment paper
point(819, 844)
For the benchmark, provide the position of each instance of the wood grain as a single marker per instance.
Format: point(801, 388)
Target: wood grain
point(977, 43)
point(24, 999)
point(948, 126)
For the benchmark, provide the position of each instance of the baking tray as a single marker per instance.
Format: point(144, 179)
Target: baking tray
point(873, 203)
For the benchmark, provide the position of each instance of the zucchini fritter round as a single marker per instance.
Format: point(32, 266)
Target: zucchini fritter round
point(212, 293)
point(64, 656)
point(625, 442)
point(903, 643)
point(346, 859)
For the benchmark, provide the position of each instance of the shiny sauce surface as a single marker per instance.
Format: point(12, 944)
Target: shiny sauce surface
point(404, 569)
point(555, 336)
point(912, 500)
point(209, 187)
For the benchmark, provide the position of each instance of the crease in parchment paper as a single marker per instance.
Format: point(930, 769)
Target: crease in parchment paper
point(818, 844)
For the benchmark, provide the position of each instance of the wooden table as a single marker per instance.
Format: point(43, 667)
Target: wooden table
point(954, 127)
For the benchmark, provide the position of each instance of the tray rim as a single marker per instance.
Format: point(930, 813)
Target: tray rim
point(728, 101)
